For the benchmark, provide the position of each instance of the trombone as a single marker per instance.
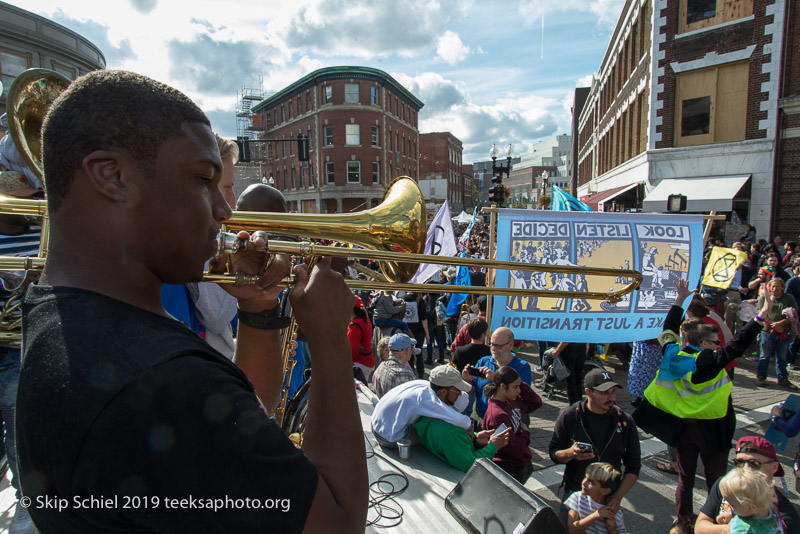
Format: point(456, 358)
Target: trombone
point(392, 233)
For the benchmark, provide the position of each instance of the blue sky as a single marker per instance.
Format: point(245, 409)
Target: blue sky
point(479, 66)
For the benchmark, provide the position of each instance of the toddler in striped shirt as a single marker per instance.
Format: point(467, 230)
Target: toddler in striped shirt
point(587, 510)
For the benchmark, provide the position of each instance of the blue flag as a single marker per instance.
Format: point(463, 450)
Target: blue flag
point(562, 201)
point(462, 279)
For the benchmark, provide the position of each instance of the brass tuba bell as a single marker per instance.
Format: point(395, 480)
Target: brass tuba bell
point(29, 98)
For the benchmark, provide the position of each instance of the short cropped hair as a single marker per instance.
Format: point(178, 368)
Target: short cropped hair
point(605, 474)
point(477, 327)
point(703, 332)
point(747, 487)
point(110, 110)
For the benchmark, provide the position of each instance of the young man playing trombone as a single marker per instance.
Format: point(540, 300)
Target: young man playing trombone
point(127, 421)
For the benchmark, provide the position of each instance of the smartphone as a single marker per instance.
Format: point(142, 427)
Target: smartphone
point(584, 447)
point(475, 372)
point(500, 429)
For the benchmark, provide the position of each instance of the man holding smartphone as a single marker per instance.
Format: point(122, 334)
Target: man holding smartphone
point(596, 430)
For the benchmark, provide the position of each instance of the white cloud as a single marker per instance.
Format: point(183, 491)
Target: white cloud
point(367, 29)
point(516, 118)
point(606, 11)
point(451, 49)
point(585, 81)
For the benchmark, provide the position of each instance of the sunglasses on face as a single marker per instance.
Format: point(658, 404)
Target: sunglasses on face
point(752, 464)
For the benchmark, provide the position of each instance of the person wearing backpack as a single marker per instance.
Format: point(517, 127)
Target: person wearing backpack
point(359, 332)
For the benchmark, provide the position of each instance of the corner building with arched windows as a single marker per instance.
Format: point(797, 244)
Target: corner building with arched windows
point(362, 127)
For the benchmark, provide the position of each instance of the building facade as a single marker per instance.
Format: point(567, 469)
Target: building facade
point(440, 158)
point(29, 41)
point(686, 101)
point(362, 127)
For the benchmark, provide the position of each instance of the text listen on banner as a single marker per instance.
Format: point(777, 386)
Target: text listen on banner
point(664, 248)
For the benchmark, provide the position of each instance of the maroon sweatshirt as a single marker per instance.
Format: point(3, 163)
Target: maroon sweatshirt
point(518, 451)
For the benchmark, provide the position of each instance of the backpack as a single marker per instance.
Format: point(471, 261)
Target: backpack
point(363, 338)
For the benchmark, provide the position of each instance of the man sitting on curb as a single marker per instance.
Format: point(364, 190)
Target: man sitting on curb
point(448, 442)
point(752, 452)
point(395, 371)
point(404, 405)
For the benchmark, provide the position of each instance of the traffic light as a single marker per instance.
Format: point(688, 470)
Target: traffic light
point(497, 192)
point(302, 147)
point(244, 149)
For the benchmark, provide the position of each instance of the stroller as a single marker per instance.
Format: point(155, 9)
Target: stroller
point(551, 381)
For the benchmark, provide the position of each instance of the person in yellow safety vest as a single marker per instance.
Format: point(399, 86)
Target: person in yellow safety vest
point(688, 404)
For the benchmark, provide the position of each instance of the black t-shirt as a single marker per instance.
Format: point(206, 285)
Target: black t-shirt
point(133, 409)
point(786, 509)
point(469, 354)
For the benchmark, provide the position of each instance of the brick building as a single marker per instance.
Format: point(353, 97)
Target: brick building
point(686, 101)
point(440, 158)
point(786, 221)
point(362, 126)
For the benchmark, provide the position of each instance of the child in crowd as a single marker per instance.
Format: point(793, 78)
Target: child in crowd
point(752, 501)
point(510, 398)
point(587, 510)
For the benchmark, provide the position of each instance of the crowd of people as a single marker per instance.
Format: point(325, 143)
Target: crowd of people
point(141, 404)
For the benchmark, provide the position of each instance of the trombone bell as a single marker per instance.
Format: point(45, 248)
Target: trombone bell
point(397, 224)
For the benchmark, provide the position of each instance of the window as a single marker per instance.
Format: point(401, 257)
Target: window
point(710, 103)
point(299, 106)
point(328, 94)
point(291, 110)
point(310, 140)
point(310, 175)
point(697, 14)
point(11, 66)
point(697, 10)
point(283, 114)
point(351, 92)
point(373, 95)
point(308, 100)
point(376, 172)
point(376, 136)
point(696, 115)
point(352, 134)
point(353, 172)
point(66, 73)
point(329, 172)
point(329, 136)
point(294, 178)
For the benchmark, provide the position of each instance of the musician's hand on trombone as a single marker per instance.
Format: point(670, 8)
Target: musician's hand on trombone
point(271, 269)
point(321, 301)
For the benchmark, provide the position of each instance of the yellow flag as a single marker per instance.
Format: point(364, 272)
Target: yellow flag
point(722, 266)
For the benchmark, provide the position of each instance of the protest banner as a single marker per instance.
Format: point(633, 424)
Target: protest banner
point(722, 266)
point(664, 248)
point(441, 241)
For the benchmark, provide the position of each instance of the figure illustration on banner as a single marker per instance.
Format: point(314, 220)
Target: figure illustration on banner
point(604, 253)
point(662, 262)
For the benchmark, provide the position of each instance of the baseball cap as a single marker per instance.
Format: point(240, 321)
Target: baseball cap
point(401, 342)
point(762, 447)
point(446, 376)
point(600, 380)
point(359, 303)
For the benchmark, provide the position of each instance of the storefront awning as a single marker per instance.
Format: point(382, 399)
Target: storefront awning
point(597, 200)
point(702, 194)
